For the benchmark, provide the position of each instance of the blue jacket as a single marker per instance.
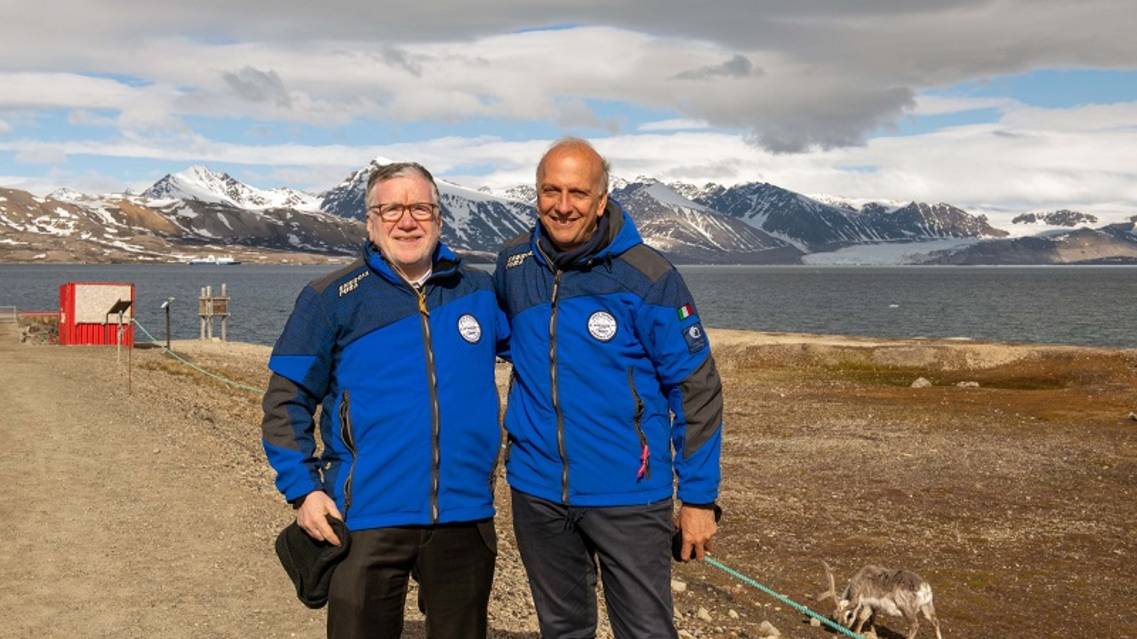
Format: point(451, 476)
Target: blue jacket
point(409, 419)
point(604, 352)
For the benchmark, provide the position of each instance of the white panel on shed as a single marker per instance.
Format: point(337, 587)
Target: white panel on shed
point(93, 301)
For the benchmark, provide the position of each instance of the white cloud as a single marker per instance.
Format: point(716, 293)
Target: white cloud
point(42, 154)
point(4, 127)
point(939, 105)
point(678, 124)
point(795, 75)
point(82, 117)
point(1032, 158)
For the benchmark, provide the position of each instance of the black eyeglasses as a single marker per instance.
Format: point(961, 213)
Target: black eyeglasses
point(421, 211)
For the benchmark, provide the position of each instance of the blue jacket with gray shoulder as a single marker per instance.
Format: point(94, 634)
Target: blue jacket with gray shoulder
point(405, 379)
point(614, 393)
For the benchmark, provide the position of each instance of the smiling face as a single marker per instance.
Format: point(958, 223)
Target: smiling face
point(406, 242)
point(570, 194)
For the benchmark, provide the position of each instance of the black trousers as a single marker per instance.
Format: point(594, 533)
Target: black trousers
point(561, 547)
point(453, 563)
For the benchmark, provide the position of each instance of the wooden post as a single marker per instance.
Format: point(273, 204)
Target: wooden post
point(210, 306)
point(209, 312)
point(225, 315)
point(201, 312)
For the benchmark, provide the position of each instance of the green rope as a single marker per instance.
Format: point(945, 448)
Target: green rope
point(782, 598)
point(259, 391)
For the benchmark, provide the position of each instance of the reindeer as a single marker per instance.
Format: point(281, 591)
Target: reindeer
point(874, 589)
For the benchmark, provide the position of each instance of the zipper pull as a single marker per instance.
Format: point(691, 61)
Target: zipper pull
point(645, 462)
point(422, 303)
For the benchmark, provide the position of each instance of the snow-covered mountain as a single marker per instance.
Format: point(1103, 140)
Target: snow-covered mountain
point(813, 225)
point(690, 232)
point(1113, 244)
point(473, 221)
point(1061, 217)
point(198, 210)
point(522, 193)
point(100, 228)
point(205, 185)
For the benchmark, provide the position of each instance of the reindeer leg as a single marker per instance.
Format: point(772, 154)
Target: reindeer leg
point(913, 627)
point(930, 612)
point(862, 614)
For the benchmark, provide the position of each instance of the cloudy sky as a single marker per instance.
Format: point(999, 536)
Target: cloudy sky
point(994, 105)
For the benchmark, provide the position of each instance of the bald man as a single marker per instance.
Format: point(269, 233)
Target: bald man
point(612, 372)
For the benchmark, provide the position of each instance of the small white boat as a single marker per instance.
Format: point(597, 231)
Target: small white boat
point(213, 260)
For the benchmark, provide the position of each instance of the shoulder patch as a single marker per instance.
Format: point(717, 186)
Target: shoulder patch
point(645, 260)
point(517, 259)
point(319, 285)
point(352, 284)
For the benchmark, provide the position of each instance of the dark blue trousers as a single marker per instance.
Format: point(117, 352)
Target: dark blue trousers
point(563, 547)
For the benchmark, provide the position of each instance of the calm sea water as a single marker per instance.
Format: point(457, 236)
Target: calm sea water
point(1095, 305)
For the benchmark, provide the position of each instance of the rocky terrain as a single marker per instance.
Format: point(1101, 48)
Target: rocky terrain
point(1007, 482)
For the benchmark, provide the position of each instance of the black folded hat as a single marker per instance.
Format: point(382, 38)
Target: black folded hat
point(309, 563)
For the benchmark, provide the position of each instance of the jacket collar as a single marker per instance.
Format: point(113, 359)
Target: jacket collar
point(444, 263)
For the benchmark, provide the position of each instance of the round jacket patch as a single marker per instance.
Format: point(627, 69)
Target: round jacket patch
point(602, 326)
point(469, 328)
point(695, 332)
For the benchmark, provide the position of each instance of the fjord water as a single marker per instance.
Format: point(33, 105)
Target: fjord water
point(1089, 305)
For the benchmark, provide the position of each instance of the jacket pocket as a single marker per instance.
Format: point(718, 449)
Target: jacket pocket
point(644, 470)
point(348, 438)
point(488, 534)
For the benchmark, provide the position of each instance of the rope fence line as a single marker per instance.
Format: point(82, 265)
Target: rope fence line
point(251, 389)
point(710, 561)
point(253, 450)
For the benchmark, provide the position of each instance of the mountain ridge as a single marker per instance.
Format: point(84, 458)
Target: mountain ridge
point(752, 222)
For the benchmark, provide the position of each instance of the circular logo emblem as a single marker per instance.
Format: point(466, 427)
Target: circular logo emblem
point(602, 326)
point(469, 328)
point(695, 332)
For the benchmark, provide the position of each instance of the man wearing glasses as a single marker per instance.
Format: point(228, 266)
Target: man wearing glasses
point(398, 349)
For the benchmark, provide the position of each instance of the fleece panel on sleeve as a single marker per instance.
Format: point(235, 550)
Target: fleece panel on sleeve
point(288, 438)
point(300, 362)
point(670, 328)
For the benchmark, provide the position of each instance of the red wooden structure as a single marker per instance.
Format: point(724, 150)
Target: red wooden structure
point(89, 313)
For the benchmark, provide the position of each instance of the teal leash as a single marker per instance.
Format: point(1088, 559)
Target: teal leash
point(714, 563)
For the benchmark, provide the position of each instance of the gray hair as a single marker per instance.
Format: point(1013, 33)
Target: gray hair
point(384, 172)
point(605, 166)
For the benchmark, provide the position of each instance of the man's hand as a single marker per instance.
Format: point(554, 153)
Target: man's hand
point(311, 516)
point(697, 526)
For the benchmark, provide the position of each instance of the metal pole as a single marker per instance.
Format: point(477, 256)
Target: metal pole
point(168, 302)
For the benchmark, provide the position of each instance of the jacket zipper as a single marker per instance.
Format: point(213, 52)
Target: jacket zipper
point(424, 315)
point(349, 441)
point(645, 451)
point(553, 380)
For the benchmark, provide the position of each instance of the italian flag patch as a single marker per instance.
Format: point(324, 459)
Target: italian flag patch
point(685, 311)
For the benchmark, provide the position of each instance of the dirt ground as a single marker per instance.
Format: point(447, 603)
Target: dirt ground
point(150, 513)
